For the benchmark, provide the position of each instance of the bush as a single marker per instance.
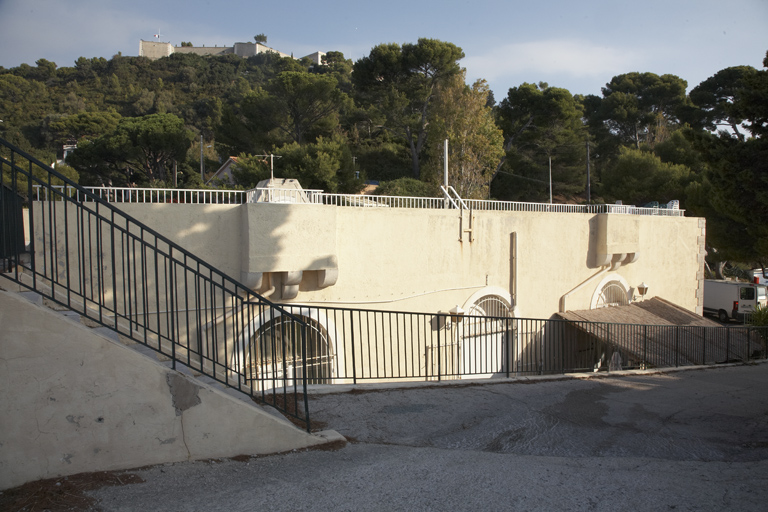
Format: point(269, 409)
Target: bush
point(407, 187)
point(759, 317)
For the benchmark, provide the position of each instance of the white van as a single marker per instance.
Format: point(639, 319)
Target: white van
point(731, 299)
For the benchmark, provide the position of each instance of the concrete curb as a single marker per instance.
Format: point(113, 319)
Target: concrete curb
point(327, 389)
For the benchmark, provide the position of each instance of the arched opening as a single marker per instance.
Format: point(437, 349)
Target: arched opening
point(486, 336)
point(612, 294)
point(273, 355)
point(613, 290)
point(491, 306)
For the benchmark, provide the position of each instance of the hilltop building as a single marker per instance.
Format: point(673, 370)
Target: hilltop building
point(154, 50)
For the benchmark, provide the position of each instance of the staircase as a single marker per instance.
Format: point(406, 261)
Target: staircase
point(80, 255)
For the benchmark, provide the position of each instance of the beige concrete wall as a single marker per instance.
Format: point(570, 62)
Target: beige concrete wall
point(412, 259)
point(269, 234)
point(72, 401)
point(316, 58)
point(203, 50)
point(213, 230)
point(154, 49)
point(250, 49)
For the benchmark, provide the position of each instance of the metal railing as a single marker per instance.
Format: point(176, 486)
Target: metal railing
point(140, 195)
point(450, 194)
point(509, 206)
point(90, 257)
point(358, 345)
point(312, 196)
point(282, 195)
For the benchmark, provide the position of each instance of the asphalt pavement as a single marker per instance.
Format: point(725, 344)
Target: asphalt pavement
point(677, 440)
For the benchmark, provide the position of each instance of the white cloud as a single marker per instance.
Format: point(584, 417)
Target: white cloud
point(575, 58)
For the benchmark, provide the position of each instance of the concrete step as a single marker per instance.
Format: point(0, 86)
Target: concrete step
point(33, 297)
point(107, 333)
point(72, 315)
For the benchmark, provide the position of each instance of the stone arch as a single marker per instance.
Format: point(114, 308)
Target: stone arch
point(613, 290)
point(272, 350)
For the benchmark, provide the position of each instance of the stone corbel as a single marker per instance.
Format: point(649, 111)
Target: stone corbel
point(290, 283)
point(631, 257)
point(327, 277)
point(253, 280)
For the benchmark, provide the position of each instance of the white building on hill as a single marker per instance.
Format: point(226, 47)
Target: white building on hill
point(155, 50)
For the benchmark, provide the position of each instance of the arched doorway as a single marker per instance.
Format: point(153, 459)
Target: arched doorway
point(486, 335)
point(272, 357)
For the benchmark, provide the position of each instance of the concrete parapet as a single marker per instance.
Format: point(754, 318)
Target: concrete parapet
point(73, 401)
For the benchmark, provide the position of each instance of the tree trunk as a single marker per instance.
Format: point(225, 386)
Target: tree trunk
point(719, 269)
point(415, 170)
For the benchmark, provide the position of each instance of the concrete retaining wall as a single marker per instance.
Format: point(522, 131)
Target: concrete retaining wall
point(73, 401)
point(412, 260)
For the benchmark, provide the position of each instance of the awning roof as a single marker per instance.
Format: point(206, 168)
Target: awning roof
point(655, 311)
point(644, 334)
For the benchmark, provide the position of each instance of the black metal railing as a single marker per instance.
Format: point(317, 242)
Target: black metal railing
point(81, 252)
point(357, 345)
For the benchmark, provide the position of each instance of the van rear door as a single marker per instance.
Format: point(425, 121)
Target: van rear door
point(747, 302)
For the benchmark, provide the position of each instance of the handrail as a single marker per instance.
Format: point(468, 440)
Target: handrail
point(91, 257)
point(451, 195)
point(313, 196)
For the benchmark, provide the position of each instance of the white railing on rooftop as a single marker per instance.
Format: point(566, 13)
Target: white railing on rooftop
point(147, 195)
point(282, 195)
point(310, 196)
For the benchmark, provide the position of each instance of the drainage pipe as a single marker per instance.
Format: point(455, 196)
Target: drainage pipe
point(513, 264)
point(271, 290)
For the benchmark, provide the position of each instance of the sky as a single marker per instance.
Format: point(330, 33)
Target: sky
point(578, 45)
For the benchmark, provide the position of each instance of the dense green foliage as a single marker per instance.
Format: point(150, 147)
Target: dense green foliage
point(398, 83)
point(384, 118)
point(543, 126)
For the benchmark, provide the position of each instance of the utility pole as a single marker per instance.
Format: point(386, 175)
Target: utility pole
point(445, 163)
point(589, 180)
point(202, 170)
point(272, 166)
point(550, 179)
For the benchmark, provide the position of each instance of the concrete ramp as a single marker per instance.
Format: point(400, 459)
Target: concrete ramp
point(72, 401)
